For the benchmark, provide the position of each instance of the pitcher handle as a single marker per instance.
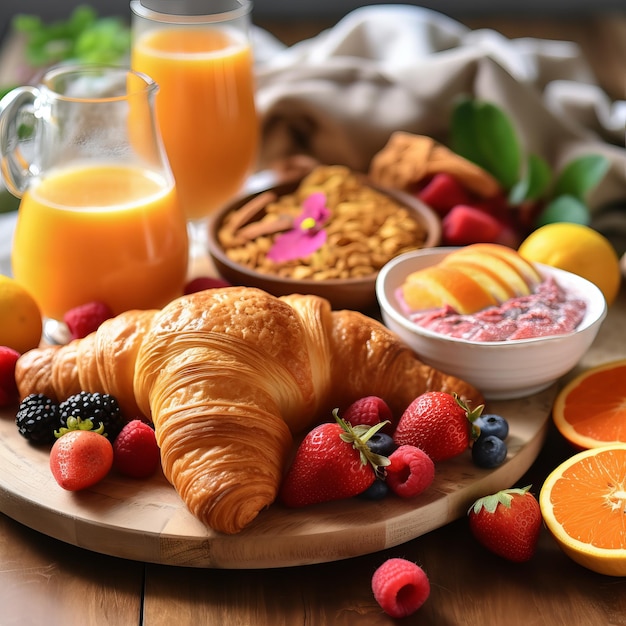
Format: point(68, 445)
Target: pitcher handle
point(17, 127)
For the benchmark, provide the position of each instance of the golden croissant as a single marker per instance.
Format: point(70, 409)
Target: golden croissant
point(228, 376)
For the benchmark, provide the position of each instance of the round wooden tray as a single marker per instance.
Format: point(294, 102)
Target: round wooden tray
point(146, 520)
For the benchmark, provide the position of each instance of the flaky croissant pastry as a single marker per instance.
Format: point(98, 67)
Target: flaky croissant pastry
point(228, 376)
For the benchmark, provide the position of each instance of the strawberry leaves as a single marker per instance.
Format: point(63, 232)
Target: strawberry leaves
point(483, 134)
point(358, 436)
point(490, 503)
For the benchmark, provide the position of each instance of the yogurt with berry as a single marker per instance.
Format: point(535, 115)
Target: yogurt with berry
point(550, 310)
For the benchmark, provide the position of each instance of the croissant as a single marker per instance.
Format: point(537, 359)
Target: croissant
point(228, 377)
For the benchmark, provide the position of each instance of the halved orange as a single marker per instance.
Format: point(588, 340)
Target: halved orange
point(583, 503)
point(590, 410)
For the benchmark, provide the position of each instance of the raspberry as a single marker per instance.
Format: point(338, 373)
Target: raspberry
point(400, 587)
point(135, 451)
point(86, 318)
point(369, 411)
point(97, 407)
point(204, 282)
point(410, 472)
point(8, 386)
point(37, 418)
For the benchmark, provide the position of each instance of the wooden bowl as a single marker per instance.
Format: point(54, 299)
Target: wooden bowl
point(349, 293)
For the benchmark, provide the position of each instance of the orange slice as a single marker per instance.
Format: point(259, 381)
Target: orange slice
point(513, 257)
point(489, 280)
point(583, 503)
point(590, 411)
point(437, 286)
point(494, 263)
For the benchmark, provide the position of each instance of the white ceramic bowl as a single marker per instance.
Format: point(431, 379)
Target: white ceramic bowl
point(500, 369)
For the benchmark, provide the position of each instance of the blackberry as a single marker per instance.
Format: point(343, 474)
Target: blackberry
point(37, 418)
point(97, 407)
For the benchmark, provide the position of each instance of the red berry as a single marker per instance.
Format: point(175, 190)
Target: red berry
point(466, 225)
point(410, 472)
point(84, 319)
point(369, 411)
point(8, 386)
point(333, 462)
point(400, 587)
point(136, 452)
point(80, 459)
point(443, 192)
point(438, 423)
point(204, 282)
point(507, 523)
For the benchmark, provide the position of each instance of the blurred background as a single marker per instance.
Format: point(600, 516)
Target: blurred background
point(334, 9)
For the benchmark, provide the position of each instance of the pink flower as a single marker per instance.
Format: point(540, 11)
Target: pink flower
point(307, 234)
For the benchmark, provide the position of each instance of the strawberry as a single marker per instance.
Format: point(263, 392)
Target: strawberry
point(86, 318)
point(80, 459)
point(135, 450)
point(410, 471)
point(439, 423)
point(204, 282)
point(443, 192)
point(400, 587)
point(369, 410)
point(507, 523)
point(8, 386)
point(332, 462)
point(466, 224)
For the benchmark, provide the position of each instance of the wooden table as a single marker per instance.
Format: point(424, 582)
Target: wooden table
point(46, 582)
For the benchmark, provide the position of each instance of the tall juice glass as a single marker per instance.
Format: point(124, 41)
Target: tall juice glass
point(199, 52)
point(99, 217)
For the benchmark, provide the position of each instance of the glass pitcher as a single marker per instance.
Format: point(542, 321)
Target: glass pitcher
point(99, 217)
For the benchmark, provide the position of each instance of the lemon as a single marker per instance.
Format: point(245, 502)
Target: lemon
point(20, 317)
point(578, 249)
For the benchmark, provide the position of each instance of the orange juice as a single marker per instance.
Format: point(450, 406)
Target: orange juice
point(101, 232)
point(205, 109)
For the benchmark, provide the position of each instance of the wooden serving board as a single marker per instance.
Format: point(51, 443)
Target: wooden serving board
point(146, 520)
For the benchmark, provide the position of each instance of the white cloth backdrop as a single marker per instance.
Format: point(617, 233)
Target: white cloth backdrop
point(339, 95)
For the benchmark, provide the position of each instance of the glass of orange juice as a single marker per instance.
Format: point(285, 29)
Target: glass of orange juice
point(99, 216)
point(200, 54)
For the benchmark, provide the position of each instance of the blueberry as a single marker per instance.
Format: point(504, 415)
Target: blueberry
point(381, 443)
point(376, 491)
point(489, 451)
point(492, 424)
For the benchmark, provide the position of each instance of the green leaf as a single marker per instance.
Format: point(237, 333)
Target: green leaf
point(534, 183)
point(8, 202)
point(81, 37)
point(26, 23)
point(7, 89)
point(463, 131)
point(483, 134)
point(564, 209)
point(581, 175)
